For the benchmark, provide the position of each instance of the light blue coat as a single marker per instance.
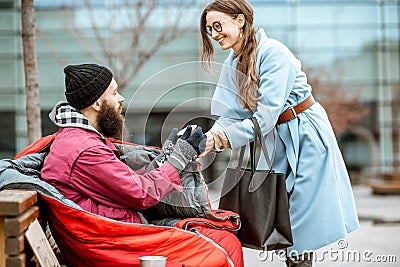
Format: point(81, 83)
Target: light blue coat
point(322, 207)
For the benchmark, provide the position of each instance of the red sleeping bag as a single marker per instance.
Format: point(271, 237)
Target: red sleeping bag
point(87, 239)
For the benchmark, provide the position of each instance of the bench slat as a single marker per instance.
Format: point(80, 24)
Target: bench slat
point(17, 225)
point(14, 202)
point(16, 261)
point(15, 245)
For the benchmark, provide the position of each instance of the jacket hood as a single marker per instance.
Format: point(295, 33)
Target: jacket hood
point(64, 116)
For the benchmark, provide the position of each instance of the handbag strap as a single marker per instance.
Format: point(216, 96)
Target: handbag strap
point(256, 180)
point(258, 136)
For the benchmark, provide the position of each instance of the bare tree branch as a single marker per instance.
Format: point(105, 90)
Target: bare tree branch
point(60, 60)
point(125, 35)
point(102, 41)
point(81, 36)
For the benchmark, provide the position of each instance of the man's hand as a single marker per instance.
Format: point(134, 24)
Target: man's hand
point(170, 142)
point(187, 147)
point(173, 136)
point(167, 149)
point(197, 139)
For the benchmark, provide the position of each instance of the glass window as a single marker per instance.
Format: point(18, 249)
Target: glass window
point(337, 14)
point(279, 33)
point(393, 35)
point(9, 72)
point(359, 66)
point(338, 2)
point(393, 65)
point(315, 57)
point(356, 37)
point(53, 19)
point(355, 152)
point(62, 42)
point(357, 14)
point(368, 92)
point(7, 134)
point(309, 39)
point(358, 71)
point(261, 3)
point(391, 13)
point(7, 99)
point(7, 44)
point(187, 42)
point(49, 4)
point(349, 37)
point(272, 15)
point(9, 21)
point(317, 15)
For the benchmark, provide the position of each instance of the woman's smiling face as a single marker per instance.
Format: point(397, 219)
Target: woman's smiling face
point(229, 34)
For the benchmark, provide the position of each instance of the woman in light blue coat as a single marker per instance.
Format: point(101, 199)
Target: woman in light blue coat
point(261, 78)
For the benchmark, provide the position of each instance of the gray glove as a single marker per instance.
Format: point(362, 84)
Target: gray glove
point(172, 138)
point(186, 148)
point(168, 145)
point(167, 149)
point(197, 140)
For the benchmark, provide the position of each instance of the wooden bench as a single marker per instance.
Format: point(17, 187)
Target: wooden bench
point(18, 209)
point(390, 184)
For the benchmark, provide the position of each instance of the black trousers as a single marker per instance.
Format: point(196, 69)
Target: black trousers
point(303, 260)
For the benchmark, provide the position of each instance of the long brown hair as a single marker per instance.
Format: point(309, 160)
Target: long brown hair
point(247, 77)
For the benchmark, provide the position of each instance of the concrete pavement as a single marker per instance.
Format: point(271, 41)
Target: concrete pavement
point(373, 244)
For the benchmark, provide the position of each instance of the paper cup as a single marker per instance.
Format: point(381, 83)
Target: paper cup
point(153, 261)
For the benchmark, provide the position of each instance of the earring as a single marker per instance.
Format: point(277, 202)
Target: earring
point(240, 35)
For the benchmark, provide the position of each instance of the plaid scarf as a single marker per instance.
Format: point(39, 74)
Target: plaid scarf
point(64, 115)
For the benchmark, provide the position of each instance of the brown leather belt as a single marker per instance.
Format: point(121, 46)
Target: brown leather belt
point(292, 112)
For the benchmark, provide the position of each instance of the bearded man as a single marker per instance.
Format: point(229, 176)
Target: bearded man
point(85, 167)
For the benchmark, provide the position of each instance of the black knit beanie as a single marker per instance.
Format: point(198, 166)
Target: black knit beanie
point(85, 83)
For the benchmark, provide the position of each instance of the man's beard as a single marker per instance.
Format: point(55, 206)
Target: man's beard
point(111, 121)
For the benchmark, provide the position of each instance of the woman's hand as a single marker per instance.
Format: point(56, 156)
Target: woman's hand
point(210, 143)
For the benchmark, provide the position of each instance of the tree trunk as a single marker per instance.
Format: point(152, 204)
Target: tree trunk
point(33, 117)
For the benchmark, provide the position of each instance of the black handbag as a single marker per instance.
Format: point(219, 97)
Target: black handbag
point(260, 198)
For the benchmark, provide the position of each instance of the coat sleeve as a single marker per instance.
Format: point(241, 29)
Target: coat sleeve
point(277, 75)
point(100, 175)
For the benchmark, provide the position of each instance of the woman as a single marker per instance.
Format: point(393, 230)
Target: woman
point(261, 78)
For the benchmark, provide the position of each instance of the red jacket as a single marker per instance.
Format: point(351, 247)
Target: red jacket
point(86, 169)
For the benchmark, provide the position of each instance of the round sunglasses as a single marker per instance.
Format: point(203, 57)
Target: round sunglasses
point(217, 26)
